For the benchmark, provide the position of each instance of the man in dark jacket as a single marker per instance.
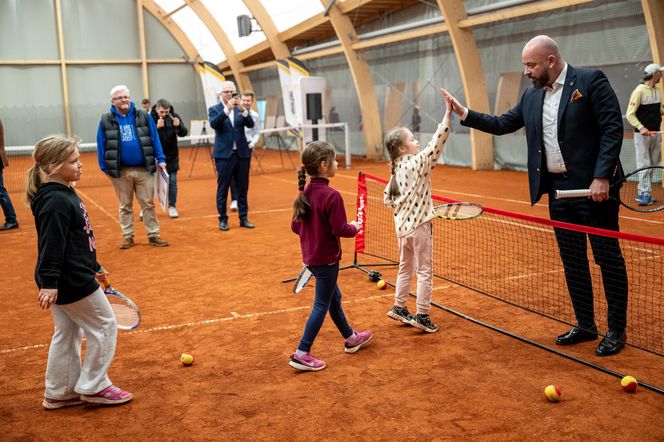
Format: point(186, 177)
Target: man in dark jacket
point(129, 152)
point(5, 202)
point(170, 126)
point(574, 134)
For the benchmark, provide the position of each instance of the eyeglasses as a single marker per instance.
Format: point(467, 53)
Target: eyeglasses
point(122, 97)
point(227, 92)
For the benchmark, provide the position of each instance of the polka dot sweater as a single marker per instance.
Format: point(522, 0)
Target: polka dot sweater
point(413, 206)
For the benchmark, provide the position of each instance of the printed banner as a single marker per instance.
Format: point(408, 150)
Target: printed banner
point(161, 187)
point(290, 72)
point(211, 78)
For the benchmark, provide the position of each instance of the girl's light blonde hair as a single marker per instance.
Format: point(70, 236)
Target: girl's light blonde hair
point(49, 154)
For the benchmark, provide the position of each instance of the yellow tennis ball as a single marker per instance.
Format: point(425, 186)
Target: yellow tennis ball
point(552, 393)
point(629, 384)
point(187, 358)
point(381, 285)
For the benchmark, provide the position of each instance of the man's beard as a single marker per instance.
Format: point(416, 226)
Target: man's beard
point(540, 82)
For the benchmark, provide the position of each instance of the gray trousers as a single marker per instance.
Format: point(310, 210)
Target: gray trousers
point(648, 153)
point(66, 376)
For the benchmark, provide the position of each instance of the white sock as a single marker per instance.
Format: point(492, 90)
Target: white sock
point(300, 353)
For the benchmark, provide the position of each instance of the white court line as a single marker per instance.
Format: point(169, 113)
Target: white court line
point(234, 316)
point(253, 212)
point(442, 287)
point(642, 220)
point(94, 203)
point(529, 275)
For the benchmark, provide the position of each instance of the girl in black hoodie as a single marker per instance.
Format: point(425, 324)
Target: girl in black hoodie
point(66, 274)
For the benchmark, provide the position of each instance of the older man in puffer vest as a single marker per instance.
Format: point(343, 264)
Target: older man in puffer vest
point(129, 152)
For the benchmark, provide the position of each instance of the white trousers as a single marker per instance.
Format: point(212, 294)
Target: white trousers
point(140, 181)
point(648, 153)
point(93, 317)
point(415, 256)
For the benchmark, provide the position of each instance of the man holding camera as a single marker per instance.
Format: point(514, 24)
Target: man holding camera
point(170, 126)
point(231, 151)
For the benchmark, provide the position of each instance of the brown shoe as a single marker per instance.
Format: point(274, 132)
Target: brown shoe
point(128, 243)
point(157, 242)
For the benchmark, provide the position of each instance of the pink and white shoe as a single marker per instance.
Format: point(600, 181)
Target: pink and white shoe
point(54, 404)
point(306, 363)
point(361, 340)
point(108, 396)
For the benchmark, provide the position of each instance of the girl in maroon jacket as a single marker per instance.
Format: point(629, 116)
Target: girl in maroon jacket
point(319, 218)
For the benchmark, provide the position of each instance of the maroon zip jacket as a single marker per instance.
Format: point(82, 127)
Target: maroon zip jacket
point(320, 231)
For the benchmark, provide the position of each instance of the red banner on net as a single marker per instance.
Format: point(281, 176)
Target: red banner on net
point(361, 211)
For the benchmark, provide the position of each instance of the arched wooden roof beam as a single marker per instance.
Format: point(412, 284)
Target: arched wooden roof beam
point(279, 48)
point(364, 87)
point(653, 12)
point(180, 37)
point(472, 77)
point(242, 79)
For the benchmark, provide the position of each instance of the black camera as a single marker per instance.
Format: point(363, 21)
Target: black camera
point(235, 94)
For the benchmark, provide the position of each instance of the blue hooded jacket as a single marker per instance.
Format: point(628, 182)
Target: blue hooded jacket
point(132, 152)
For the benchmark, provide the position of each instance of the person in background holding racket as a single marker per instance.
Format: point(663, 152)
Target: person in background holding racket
point(319, 218)
point(644, 112)
point(574, 135)
point(409, 193)
point(66, 274)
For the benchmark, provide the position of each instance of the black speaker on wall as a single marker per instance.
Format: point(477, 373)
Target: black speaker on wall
point(314, 107)
point(314, 111)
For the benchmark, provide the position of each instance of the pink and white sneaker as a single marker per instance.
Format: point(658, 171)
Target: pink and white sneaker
point(361, 340)
point(306, 363)
point(108, 396)
point(54, 404)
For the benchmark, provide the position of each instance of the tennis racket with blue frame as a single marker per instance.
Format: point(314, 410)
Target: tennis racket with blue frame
point(127, 314)
point(302, 279)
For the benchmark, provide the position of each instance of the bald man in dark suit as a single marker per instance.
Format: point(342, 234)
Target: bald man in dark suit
point(574, 134)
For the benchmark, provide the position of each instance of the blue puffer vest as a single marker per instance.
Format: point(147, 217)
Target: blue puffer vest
point(112, 131)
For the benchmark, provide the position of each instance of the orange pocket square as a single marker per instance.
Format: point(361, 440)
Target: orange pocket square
point(576, 95)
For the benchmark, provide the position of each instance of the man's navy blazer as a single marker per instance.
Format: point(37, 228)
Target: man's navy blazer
point(590, 129)
point(227, 134)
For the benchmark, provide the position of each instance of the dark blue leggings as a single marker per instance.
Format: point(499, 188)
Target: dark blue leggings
point(328, 298)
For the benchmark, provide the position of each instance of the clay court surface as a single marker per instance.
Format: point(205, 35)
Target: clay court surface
point(219, 295)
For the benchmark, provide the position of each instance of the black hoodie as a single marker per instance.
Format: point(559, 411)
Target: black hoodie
point(66, 243)
point(168, 135)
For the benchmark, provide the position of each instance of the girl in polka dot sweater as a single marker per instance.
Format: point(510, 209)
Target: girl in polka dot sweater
point(409, 194)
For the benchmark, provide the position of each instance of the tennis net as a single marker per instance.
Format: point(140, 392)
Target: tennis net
point(515, 258)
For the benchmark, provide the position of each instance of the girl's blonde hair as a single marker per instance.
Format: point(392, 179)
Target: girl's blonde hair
point(312, 156)
point(394, 139)
point(50, 151)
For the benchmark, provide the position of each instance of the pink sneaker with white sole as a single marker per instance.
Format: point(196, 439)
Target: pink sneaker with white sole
point(306, 363)
point(108, 396)
point(361, 340)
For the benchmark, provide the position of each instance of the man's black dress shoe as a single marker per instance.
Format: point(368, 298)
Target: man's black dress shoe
point(576, 335)
point(9, 226)
point(245, 223)
point(613, 342)
point(223, 225)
